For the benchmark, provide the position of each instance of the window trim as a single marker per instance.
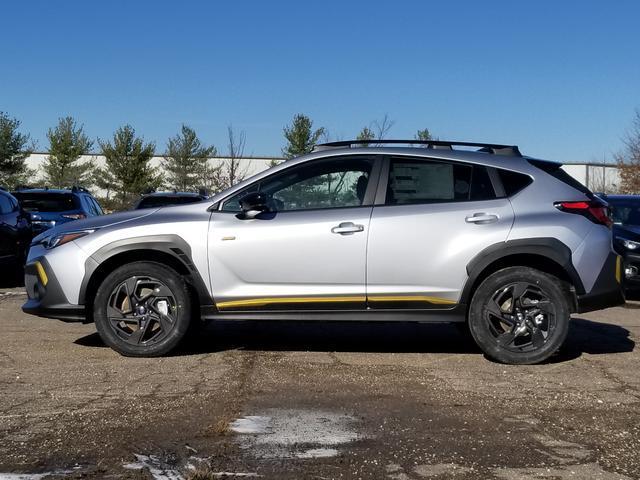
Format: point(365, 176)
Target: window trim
point(381, 195)
point(369, 196)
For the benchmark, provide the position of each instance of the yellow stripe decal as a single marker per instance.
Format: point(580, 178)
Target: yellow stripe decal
point(261, 302)
point(619, 269)
point(412, 298)
point(42, 274)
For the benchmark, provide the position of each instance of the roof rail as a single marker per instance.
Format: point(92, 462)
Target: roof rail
point(494, 148)
point(78, 188)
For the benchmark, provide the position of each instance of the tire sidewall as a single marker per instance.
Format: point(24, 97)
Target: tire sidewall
point(183, 315)
point(551, 286)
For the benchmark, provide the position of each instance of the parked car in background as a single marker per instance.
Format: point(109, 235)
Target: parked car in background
point(509, 244)
point(625, 210)
point(50, 207)
point(164, 199)
point(15, 231)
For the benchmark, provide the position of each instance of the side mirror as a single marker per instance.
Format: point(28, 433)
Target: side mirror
point(253, 204)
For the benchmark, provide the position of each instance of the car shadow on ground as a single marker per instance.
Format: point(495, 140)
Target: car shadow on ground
point(585, 336)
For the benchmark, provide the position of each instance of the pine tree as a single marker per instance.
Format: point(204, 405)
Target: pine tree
point(127, 171)
point(14, 149)
point(366, 134)
point(67, 143)
point(301, 138)
point(423, 135)
point(186, 160)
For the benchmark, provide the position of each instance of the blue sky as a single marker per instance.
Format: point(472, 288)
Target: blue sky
point(559, 78)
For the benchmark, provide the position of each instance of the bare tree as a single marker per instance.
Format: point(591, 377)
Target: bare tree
point(383, 126)
point(629, 159)
point(231, 171)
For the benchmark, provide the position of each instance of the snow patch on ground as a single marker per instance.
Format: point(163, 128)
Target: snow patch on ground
point(283, 433)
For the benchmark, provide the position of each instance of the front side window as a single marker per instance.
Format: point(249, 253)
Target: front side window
point(431, 181)
point(334, 183)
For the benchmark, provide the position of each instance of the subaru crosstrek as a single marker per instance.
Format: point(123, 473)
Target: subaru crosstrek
point(429, 233)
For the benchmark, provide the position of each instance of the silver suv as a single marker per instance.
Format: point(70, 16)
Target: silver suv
point(434, 232)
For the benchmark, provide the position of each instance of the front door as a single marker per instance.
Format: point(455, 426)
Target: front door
point(308, 251)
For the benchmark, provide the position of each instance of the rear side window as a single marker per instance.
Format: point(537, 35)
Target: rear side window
point(555, 170)
point(513, 182)
point(429, 181)
point(47, 202)
point(97, 206)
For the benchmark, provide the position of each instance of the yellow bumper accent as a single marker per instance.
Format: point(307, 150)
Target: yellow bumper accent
point(42, 274)
point(619, 269)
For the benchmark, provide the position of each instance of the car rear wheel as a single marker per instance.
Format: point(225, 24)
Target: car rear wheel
point(519, 315)
point(142, 309)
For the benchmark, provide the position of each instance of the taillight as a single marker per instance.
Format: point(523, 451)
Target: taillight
point(75, 216)
point(594, 210)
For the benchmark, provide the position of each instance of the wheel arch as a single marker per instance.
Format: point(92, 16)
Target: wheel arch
point(549, 255)
point(169, 250)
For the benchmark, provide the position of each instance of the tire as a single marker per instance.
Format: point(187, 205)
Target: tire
point(520, 315)
point(142, 309)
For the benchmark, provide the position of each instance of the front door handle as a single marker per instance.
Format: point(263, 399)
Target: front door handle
point(482, 218)
point(347, 228)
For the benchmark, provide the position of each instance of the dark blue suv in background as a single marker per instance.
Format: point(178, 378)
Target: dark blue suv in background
point(49, 207)
point(15, 231)
point(625, 210)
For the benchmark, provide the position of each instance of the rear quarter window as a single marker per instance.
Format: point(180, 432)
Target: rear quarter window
point(513, 182)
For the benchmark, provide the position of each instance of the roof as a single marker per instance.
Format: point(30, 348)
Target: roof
point(621, 197)
point(173, 194)
point(50, 190)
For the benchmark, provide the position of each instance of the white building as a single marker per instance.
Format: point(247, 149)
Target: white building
point(601, 177)
point(597, 177)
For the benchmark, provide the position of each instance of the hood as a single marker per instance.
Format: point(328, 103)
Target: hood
point(96, 222)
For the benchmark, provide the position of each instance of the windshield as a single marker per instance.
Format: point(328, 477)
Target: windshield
point(625, 212)
point(46, 202)
point(159, 201)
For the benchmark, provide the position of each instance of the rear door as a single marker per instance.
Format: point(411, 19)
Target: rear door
point(431, 218)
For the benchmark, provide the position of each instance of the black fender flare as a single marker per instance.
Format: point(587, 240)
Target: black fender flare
point(550, 248)
point(169, 244)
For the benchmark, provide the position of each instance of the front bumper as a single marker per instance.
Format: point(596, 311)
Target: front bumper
point(45, 295)
point(607, 290)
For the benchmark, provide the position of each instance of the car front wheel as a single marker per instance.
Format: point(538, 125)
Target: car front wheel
point(142, 309)
point(519, 315)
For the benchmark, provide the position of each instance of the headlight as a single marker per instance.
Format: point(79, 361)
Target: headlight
point(62, 238)
point(629, 244)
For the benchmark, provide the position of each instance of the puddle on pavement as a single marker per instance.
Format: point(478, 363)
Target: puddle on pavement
point(305, 434)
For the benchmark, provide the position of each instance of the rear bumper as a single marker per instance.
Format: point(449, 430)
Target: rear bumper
point(45, 296)
point(607, 290)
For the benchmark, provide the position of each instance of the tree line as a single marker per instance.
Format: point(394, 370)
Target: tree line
point(127, 171)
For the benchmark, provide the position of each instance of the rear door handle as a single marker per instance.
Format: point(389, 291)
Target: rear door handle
point(482, 218)
point(347, 228)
